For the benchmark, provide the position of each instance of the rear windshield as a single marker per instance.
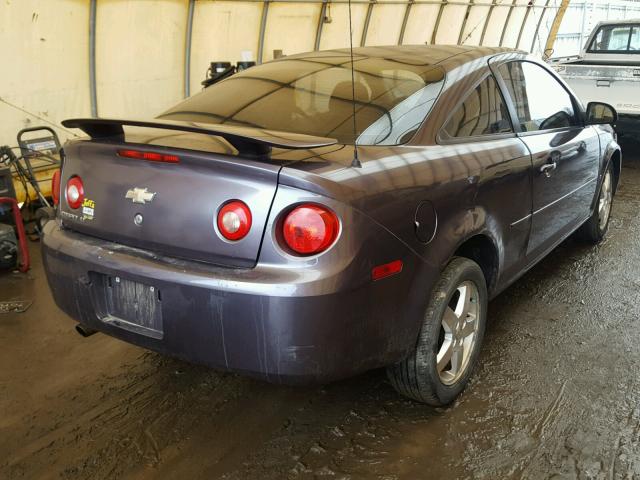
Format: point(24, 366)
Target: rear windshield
point(616, 39)
point(313, 96)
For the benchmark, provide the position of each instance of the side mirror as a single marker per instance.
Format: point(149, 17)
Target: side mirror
point(599, 113)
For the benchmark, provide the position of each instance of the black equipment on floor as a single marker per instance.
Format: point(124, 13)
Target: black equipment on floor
point(6, 183)
point(8, 247)
point(6, 190)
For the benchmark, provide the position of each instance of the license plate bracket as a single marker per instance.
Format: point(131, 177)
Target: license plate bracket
point(130, 305)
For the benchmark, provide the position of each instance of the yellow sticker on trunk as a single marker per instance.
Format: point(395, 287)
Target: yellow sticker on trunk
point(88, 209)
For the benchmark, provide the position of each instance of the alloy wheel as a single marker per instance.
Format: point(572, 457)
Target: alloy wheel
point(605, 200)
point(458, 333)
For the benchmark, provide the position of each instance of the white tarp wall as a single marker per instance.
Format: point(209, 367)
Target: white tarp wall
point(145, 59)
point(583, 15)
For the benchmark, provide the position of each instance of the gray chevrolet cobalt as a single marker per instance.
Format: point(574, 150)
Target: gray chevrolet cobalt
point(295, 225)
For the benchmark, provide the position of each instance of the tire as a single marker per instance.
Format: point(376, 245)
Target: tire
point(418, 376)
point(596, 227)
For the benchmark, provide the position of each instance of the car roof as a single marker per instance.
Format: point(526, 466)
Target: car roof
point(446, 56)
point(631, 21)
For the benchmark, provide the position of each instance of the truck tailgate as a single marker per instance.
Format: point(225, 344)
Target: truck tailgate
point(613, 84)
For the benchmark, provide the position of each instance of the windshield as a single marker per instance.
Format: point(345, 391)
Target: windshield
point(313, 96)
point(617, 39)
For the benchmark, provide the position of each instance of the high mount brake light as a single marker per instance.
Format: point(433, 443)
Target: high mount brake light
point(151, 156)
point(310, 229)
point(74, 193)
point(234, 220)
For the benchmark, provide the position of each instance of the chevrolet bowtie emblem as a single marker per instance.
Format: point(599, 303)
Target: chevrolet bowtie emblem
point(140, 195)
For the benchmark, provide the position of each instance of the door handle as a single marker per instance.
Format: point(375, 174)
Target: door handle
point(547, 168)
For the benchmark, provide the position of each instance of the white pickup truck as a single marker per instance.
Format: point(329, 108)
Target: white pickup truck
point(608, 70)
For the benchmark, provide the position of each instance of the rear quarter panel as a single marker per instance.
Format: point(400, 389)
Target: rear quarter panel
point(479, 186)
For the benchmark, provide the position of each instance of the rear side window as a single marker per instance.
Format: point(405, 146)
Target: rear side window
point(616, 39)
point(540, 100)
point(634, 44)
point(483, 112)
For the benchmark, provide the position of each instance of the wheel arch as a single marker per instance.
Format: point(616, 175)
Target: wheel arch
point(616, 161)
point(483, 250)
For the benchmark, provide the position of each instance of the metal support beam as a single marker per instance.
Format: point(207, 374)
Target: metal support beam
point(434, 34)
point(486, 21)
point(463, 3)
point(187, 49)
point(93, 8)
point(536, 33)
point(367, 20)
point(323, 15)
point(584, 23)
point(403, 28)
point(555, 26)
point(506, 22)
point(263, 29)
point(524, 24)
point(464, 22)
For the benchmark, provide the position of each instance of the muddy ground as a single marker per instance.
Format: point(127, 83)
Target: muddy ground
point(556, 395)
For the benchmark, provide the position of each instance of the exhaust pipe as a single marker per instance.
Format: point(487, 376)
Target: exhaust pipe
point(84, 330)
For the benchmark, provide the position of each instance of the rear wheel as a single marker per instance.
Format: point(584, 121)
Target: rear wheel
point(453, 327)
point(595, 229)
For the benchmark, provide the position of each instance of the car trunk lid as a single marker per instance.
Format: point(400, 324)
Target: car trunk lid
point(171, 207)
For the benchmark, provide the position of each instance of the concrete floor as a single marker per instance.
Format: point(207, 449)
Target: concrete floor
point(556, 395)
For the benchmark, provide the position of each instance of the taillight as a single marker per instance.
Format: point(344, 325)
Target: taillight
point(309, 229)
point(151, 156)
point(55, 187)
point(74, 193)
point(234, 220)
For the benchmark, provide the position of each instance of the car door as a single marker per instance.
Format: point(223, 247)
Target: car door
point(565, 153)
point(480, 134)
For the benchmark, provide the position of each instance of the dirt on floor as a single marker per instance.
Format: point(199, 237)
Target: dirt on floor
point(556, 394)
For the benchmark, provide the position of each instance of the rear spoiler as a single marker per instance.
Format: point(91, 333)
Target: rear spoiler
point(247, 140)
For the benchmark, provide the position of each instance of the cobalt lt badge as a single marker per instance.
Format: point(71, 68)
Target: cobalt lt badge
point(140, 195)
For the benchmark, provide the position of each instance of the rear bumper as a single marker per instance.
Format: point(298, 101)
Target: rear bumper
point(272, 323)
